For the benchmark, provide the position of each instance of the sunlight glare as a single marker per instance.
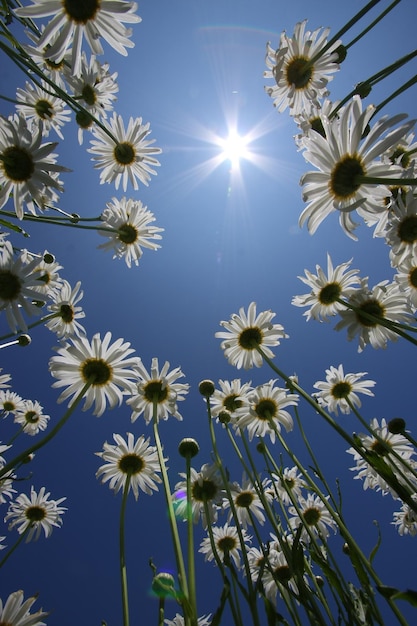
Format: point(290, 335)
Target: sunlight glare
point(234, 148)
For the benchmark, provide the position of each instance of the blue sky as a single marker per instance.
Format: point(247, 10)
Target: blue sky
point(231, 236)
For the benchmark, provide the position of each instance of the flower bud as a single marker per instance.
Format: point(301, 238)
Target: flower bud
point(224, 417)
point(396, 426)
point(24, 340)
point(48, 258)
point(206, 388)
point(188, 447)
point(163, 585)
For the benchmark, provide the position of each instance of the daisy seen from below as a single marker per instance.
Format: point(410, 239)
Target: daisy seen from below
point(206, 492)
point(385, 301)
point(31, 417)
point(382, 443)
point(277, 573)
point(340, 390)
point(231, 396)
point(49, 279)
point(406, 278)
point(72, 21)
point(247, 503)
point(4, 378)
point(345, 162)
point(64, 306)
point(313, 516)
point(340, 282)
point(128, 155)
point(179, 620)
point(35, 514)
point(405, 520)
point(16, 611)
point(401, 230)
point(290, 482)
point(18, 287)
point(301, 68)
point(108, 367)
point(266, 412)
point(10, 402)
point(130, 459)
point(226, 542)
point(28, 169)
point(37, 103)
point(130, 222)
point(245, 333)
point(157, 387)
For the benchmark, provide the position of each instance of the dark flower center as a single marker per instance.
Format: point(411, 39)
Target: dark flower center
point(155, 391)
point(341, 390)
point(231, 403)
point(81, 11)
point(298, 72)
point(66, 313)
point(329, 293)
point(205, 490)
point(412, 277)
point(44, 109)
point(311, 516)
point(127, 233)
point(226, 544)
point(250, 338)
point(83, 119)
point(282, 573)
point(10, 285)
point(124, 153)
point(89, 95)
point(35, 513)
point(371, 307)
point(400, 156)
point(266, 409)
point(407, 229)
point(245, 499)
point(31, 417)
point(17, 164)
point(317, 125)
point(131, 464)
point(8, 406)
point(97, 371)
point(343, 180)
point(381, 448)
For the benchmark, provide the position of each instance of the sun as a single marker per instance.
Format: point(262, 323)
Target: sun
point(234, 148)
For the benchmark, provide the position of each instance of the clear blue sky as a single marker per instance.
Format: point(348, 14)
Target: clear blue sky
point(229, 238)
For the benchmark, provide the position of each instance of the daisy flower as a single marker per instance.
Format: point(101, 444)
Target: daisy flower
point(340, 282)
point(384, 301)
point(35, 514)
point(266, 412)
point(64, 306)
point(16, 611)
point(227, 543)
point(310, 119)
point(4, 379)
point(108, 367)
point(126, 157)
point(131, 222)
point(10, 402)
point(277, 573)
point(313, 515)
point(340, 390)
point(406, 278)
point(72, 21)
point(53, 70)
point(246, 502)
point(300, 68)
point(179, 620)
point(291, 481)
point(129, 458)
point(27, 167)
point(401, 230)
point(231, 396)
point(95, 87)
point(382, 443)
point(405, 520)
point(31, 417)
point(39, 104)
point(206, 487)
point(49, 279)
point(18, 288)
point(245, 333)
point(6, 487)
point(345, 162)
point(160, 387)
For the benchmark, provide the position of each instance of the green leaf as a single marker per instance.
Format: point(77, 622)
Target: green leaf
point(15, 227)
point(378, 543)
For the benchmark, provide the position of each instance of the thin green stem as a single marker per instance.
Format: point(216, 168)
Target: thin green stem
point(123, 570)
point(18, 542)
point(372, 24)
point(33, 325)
point(190, 540)
point(397, 92)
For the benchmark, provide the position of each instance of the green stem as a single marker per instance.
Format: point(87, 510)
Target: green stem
point(123, 571)
point(190, 539)
point(18, 542)
point(396, 93)
point(372, 24)
point(8, 467)
point(33, 325)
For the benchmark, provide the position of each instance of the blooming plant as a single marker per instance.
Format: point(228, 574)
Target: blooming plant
point(263, 516)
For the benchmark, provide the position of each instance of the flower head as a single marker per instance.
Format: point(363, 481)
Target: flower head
point(31, 417)
point(231, 396)
point(406, 278)
point(34, 514)
point(301, 68)
point(16, 612)
point(107, 367)
point(37, 103)
point(136, 460)
point(313, 516)
point(247, 503)
point(158, 387)
point(207, 493)
point(131, 224)
point(405, 520)
point(72, 21)
point(341, 390)
point(401, 230)
point(10, 402)
point(130, 158)
point(247, 332)
point(340, 282)
point(227, 543)
point(64, 306)
point(266, 412)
